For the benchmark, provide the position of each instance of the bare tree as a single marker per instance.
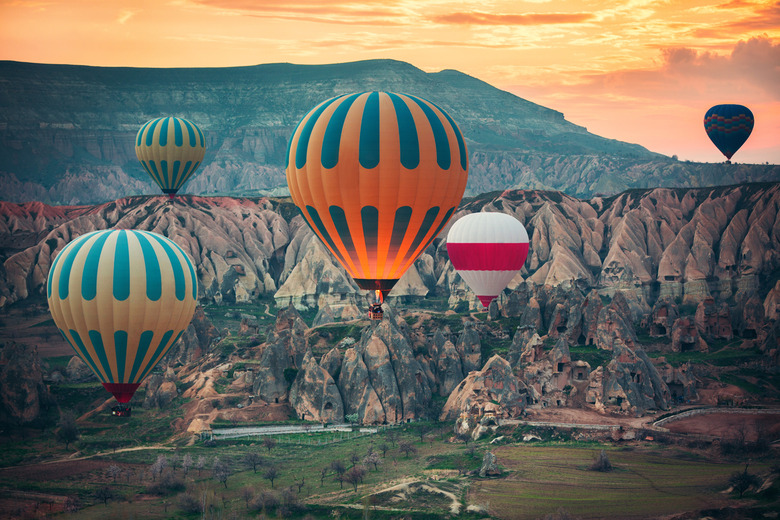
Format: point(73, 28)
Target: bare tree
point(200, 464)
point(253, 460)
point(300, 483)
point(355, 476)
point(323, 474)
point(354, 458)
point(186, 463)
point(741, 481)
point(158, 467)
point(114, 471)
point(247, 493)
point(269, 443)
point(407, 448)
point(173, 461)
point(68, 430)
point(383, 448)
point(338, 467)
point(392, 437)
point(271, 473)
point(221, 471)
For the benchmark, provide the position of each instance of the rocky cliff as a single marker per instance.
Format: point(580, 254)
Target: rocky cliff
point(67, 132)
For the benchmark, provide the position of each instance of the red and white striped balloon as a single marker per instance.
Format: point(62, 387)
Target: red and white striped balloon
point(487, 250)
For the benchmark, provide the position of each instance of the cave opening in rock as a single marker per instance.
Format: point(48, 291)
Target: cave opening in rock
point(749, 334)
point(687, 346)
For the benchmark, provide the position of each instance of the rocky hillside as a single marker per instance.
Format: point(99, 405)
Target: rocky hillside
point(610, 285)
point(66, 132)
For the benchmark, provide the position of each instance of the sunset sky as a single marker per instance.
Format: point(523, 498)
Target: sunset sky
point(642, 71)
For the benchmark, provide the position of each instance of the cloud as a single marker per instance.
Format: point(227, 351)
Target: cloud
point(330, 11)
point(125, 15)
point(757, 17)
point(482, 18)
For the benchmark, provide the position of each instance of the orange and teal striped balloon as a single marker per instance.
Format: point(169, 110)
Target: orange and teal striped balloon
point(377, 175)
point(170, 149)
point(121, 298)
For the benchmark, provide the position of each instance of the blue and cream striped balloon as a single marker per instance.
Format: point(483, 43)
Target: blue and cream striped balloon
point(170, 150)
point(122, 298)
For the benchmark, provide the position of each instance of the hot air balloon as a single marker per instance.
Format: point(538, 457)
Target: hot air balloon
point(487, 250)
point(377, 175)
point(121, 298)
point(170, 150)
point(728, 127)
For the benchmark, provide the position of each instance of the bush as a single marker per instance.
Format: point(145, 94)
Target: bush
point(601, 463)
point(167, 485)
point(189, 504)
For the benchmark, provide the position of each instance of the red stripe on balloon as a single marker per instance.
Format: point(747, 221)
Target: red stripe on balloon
point(488, 257)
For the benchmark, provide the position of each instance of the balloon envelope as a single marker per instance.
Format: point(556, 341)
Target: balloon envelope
point(728, 127)
point(487, 250)
point(377, 175)
point(170, 149)
point(121, 298)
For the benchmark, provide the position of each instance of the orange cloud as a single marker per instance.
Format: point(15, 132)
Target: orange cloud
point(482, 18)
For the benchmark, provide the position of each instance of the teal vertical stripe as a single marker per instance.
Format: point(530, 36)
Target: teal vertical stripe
point(90, 273)
point(443, 222)
point(175, 174)
point(342, 228)
point(314, 218)
point(143, 347)
point(162, 347)
point(178, 136)
point(156, 174)
point(70, 253)
point(302, 147)
point(165, 174)
point(97, 343)
point(82, 350)
point(178, 273)
point(190, 268)
point(425, 227)
point(331, 141)
point(464, 159)
point(164, 131)
point(443, 158)
point(142, 133)
point(150, 131)
point(289, 145)
point(120, 342)
point(400, 224)
point(368, 149)
point(408, 141)
point(121, 286)
point(151, 268)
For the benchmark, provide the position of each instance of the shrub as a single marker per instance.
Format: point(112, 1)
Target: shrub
point(601, 463)
point(189, 504)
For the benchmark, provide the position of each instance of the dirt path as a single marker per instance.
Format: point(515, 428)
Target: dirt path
point(75, 457)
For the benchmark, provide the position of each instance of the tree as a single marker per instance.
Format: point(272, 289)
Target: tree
point(221, 471)
point(253, 460)
point(352, 418)
point(422, 429)
point(407, 448)
point(247, 493)
point(271, 473)
point(323, 474)
point(158, 467)
point(383, 448)
point(104, 494)
point(113, 471)
point(601, 463)
point(354, 458)
point(338, 467)
point(186, 463)
point(372, 459)
point(269, 443)
point(355, 476)
point(741, 481)
point(200, 464)
point(68, 430)
point(392, 437)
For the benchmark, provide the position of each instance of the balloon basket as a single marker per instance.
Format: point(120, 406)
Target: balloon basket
point(375, 312)
point(121, 410)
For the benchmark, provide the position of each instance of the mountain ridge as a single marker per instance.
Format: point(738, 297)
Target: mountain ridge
point(67, 131)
